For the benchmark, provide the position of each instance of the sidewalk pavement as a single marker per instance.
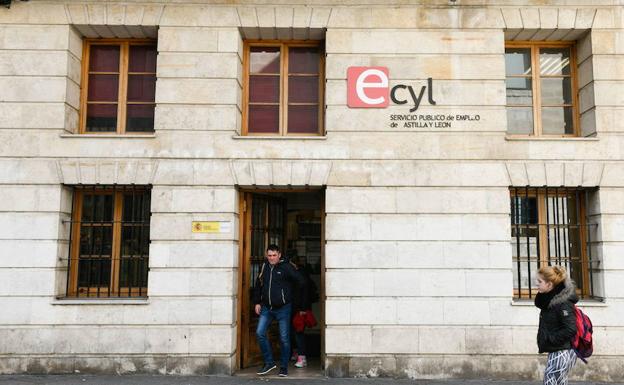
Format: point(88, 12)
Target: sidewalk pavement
point(242, 380)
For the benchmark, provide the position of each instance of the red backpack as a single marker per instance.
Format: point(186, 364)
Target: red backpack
point(582, 342)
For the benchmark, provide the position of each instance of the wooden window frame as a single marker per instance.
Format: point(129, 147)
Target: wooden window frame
point(113, 289)
point(283, 101)
point(544, 247)
point(536, 77)
point(122, 99)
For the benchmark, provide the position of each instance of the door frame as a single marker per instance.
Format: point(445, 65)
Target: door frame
point(244, 216)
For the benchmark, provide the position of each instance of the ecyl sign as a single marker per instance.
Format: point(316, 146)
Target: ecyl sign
point(367, 87)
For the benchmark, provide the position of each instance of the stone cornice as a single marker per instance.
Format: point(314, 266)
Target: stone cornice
point(264, 173)
point(106, 172)
point(553, 173)
point(321, 14)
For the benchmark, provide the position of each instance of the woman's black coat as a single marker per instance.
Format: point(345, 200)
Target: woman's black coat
point(557, 324)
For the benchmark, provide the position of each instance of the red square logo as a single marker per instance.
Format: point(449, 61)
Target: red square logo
point(367, 87)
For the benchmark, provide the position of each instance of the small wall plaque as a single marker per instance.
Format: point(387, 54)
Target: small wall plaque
point(211, 227)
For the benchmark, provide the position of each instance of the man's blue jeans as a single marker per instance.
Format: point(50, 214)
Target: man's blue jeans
point(282, 315)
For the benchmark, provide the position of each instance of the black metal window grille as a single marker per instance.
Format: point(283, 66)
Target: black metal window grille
point(109, 246)
point(550, 226)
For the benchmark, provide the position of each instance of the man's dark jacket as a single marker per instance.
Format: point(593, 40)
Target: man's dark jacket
point(277, 284)
point(557, 323)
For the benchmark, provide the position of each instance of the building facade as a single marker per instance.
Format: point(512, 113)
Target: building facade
point(421, 159)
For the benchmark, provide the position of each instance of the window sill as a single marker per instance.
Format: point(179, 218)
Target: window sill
point(581, 303)
point(279, 137)
point(100, 301)
point(132, 136)
point(552, 138)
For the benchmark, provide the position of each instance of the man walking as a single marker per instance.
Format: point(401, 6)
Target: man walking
point(273, 295)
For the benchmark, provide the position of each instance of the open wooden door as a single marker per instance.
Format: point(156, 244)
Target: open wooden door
point(264, 224)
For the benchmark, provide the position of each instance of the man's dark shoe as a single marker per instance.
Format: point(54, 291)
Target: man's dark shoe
point(266, 369)
point(283, 372)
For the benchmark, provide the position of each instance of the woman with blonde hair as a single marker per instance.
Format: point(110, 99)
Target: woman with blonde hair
point(557, 323)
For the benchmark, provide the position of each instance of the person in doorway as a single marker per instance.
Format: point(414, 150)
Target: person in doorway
point(302, 314)
point(273, 293)
point(557, 323)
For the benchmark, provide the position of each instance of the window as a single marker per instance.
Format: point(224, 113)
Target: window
point(109, 248)
point(119, 86)
point(283, 89)
point(549, 226)
point(542, 97)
